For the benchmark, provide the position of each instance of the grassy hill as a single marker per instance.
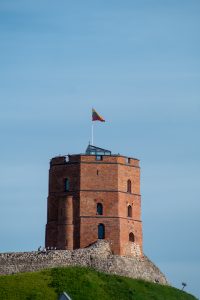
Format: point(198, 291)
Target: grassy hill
point(83, 283)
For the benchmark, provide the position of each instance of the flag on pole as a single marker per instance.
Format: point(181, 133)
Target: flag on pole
point(96, 116)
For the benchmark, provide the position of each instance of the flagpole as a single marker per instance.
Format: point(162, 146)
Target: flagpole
point(92, 133)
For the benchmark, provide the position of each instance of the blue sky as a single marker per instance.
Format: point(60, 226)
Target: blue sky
point(138, 64)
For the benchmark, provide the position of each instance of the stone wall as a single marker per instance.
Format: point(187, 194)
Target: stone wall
point(97, 256)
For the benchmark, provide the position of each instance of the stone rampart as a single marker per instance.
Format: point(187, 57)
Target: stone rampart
point(97, 256)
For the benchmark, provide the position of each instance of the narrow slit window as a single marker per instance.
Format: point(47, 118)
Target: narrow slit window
point(99, 209)
point(130, 211)
point(129, 186)
point(101, 231)
point(66, 184)
point(131, 237)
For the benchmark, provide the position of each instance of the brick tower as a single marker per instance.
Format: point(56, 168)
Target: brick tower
point(93, 196)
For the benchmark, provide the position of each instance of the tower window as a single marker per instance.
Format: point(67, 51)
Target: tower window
point(129, 186)
point(130, 211)
point(66, 184)
point(131, 237)
point(101, 231)
point(128, 160)
point(99, 209)
point(99, 157)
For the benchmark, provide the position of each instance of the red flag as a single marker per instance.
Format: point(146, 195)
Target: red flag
point(96, 116)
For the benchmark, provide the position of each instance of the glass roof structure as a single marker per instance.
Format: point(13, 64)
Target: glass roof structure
point(93, 150)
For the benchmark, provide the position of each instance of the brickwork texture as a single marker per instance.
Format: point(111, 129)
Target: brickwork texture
point(78, 185)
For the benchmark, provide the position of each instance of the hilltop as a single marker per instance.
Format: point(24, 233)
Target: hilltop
point(83, 284)
point(98, 256)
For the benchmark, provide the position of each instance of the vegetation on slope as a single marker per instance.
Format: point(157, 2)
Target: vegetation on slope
point(82, 284)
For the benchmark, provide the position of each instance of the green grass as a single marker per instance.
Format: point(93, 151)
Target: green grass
point(82, 284)
point(29, 286)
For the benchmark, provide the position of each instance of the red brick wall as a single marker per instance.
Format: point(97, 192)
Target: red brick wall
point(98, 176)
point(93, 182)
point(89, 200)
point(89, 232)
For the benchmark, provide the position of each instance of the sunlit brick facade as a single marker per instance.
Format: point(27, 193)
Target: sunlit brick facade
point(95, 196)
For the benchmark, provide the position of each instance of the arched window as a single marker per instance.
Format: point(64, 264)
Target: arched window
point(66, 184)
point(99, 209)
point(129, 186)
point(130, 211)
point(101, 231)
point(131, 237)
